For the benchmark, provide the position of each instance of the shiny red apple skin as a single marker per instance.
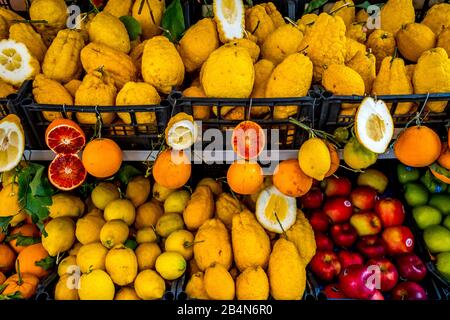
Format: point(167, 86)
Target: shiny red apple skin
point(348, 258)
point(319, 221)
point(377, 296)
point(391, 212)
point(325, 265)
point(398, 240)
point(336, 186)
point(410, 267)
point(363, 198)
point(388, 273)
point(371, 247)
point(313, 199)
point(338, 209)
point(343, 235)
point(366, 223)
point(408, 291)
point(354, 282)
point(332, 291)
point(323, 243)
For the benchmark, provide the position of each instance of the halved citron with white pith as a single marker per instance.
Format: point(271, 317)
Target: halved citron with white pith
point(181, 131)
point(229, 16)
point(16, 62)
point(275, 211)
point(12, 142)
point(374, 126)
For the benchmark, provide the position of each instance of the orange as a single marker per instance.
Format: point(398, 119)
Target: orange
point(334, 159)
point(440, 176)
point(290, 179)
point(26, 230)
point(28, 258)
point(7, 258)
point(417, 146)
point(2, 236)
point(64, 136)
point(172, 169)
point(102, 158)
point(2, 278)
point(245, 177)
point(444, 158)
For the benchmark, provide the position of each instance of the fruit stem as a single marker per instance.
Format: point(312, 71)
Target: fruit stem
point(341, 7)
point(20, 281)
point(95, 7)
point(351, 169)
point(314, 132)
point(281, 226)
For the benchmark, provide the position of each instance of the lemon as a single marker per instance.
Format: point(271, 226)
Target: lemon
point(170, 265)
point(169, 223)
point(138, 190)
point(181, 131)
point(126, 293)
point(314, 158)
point(161, 193)
point(63, 289)
point(121, 209)
point(356, 156)
point(66, 205)
point(275, 211)
point(146, 254)
point(146, 235)
point(67, 265)
point(96, 285)
point(114, 232)
point(121, 265)
point(214, 185)
point(103, 194)
point(148, 214)
point(149, 285)
point(60, 235)
point(92, 257)
point(88, 229)
point(16, 65)
point(180, 241)
point(9, 199)
point(75, 249)
point(17, 219)
point(95, 212)
point(177, 201)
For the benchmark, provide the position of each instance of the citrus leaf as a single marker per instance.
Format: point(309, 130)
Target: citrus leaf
point(131, 244)
point(40, 186)
point(314, 5)
point(2, 287)
point(13, 296)
point(86, 189)
point(22, 241)
point(133, 26)
point(173, 21)
point(4, 223)
point(46, 263)
point(127, 172)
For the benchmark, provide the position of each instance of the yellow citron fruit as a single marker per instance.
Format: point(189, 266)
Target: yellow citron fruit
point(109, 30)
point(12, 141)
point(168, 223)
point(96, 285)
point(118, 8)
point(138, 190)
point(68, 265)
point(177, 201)
point(92, 257)
point(121, 209)
point(66, 205)
point(275, 211)
point(126, 293)
point(103, 194)
point(146, 235)
point(170, 265)
point(88, 229)
point(396, 13)
point(252, 284)
point(181, 131)
point(149, 14)
point(121, 264)
point(356, 156)
point(114, 232)
point(195, 287)
point(414, 39)
point(147, 215)
point(60, 235)
point(214, 185)
point(314, 158)
point(229, 16)
point(438, 17)
point(75, 249)
point(226, 208)
point(9, 199)
point(249, 45)
point(160, 192)
point(149, 285)
point(65, 290)
point(146, 254)
point(219, 285)
point(182, 242)
point(199, 208)
point(282, 42)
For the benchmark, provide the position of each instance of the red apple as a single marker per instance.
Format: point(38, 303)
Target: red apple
point(371, 247)
point(388, 275)
point(332, 291)
point(313, 199)
point(411, 267)
point(348, 258)
point(355, 282)
point(343, 235)
point(363, 198)
point(325, 265)
point(377, 296)
point(408, 291)
point(323, 242)
point(390, 211)
point(319, 221)
point(398, 240)
point(338, 209)
point(334, 186)
point(366, 223)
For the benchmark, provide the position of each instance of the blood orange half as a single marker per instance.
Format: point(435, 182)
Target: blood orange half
point(64, 136)
point(248, 140)
point(66, 172)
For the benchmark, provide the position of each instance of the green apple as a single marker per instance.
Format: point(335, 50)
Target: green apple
point(407, 174)
point(426, 216)
point(443, 264)
point(441, 202)
point(446, 222)
point(415, 194)
point(373, 178)
point(433, 185)
point(437, 239)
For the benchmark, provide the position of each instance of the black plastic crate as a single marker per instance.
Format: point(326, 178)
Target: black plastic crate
point(128, 136)
point(290, 135)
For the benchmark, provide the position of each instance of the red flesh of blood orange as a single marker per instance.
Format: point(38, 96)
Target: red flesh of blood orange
point(64, 136)
point(66, 172)
point(248, 140)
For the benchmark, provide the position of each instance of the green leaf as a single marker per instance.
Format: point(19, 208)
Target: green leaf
point(173, 21)
point(86, 189)
point(127, 172)
point(2, 287)
point(40, 186)
point(4, 223)
point(133, 26)
point(314, 5)
point(132, 244)
point(249, 3)
point(13, 296)
point(367, 4)
point(21, 240)
point(46, 263)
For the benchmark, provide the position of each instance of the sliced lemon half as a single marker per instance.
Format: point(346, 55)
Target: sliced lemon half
point(12, 142)
point(181, 132)
point(16, 62)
